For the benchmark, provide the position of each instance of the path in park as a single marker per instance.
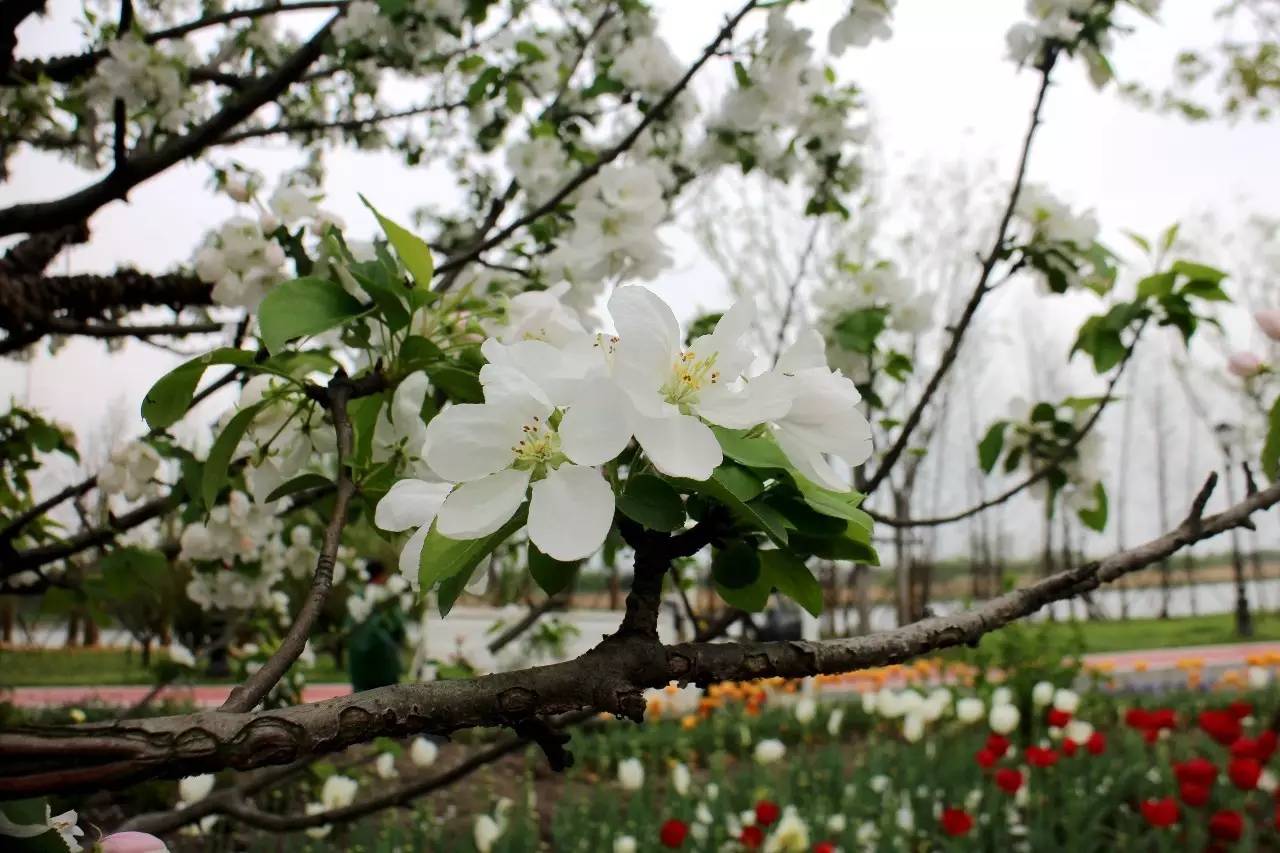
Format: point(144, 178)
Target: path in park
point(1147, 668)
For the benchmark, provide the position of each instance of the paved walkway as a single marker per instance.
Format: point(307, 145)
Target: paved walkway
point(1154, 661)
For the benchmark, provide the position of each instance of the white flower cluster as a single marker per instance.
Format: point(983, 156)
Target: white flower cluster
point(914, 708)
point(614, 235)
point(866, 22)
point(365, 598)
point(556, 410)
point(283, 439)
point(647, 65)
point(789, 106)
point(878, 286)
point(363, 24)
point(539, 166)
point(241, 260)
point(130, 471)
point(238, 529)
point(1061, 23)
point(148, 79)
point(1053, 220)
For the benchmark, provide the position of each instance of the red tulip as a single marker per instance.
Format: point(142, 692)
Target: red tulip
point(1058, 718)
point(1244, 773)
point(956, 822)
point(673, 833)
point(1038, 756)
point(1222, 726)
point(1151, 735)
point(824, 847)
point(1198, 771)
point(985, 758)
point(1194, 794)
point(752, 837)
point(997, 745)
point(1226, 825)
point(1069, 747)
point(1240, 709)
point(1097, 743)
point(1009, 780)
point(767, 812)
point(1160, 813)
point(1265, 745)
point(1137, 718)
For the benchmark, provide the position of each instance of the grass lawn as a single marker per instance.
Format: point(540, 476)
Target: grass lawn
point(1134, 634)
point(105, 667)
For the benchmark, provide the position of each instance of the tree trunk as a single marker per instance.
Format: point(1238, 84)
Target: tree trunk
point(1244, 619)
point(862, 597)
point(1162, 492)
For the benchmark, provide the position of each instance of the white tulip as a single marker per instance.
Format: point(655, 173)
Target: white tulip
point(631, 774)
point(1079, 731)
point(625, 844)
point(969, 709)
point(913, 727)
point(385, 766)
point(423, 752)
point(680, 778)
point(193, 789)
point(1259, 677)
point(1002, 696)
point(805, 710)
point(834, 721)
point(485, 833)
point(1067, 701)
point(1042, 694)
point(1004, 718)
point(769, 751)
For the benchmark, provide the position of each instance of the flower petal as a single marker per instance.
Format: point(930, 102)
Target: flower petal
point(597, 426)
point(570, 512)
point(649, 335)
point(411, 554)
point(809, 460)
point(480, 507)
point(679, 445)
point(807, 350)
point(471, 440)
point(765, 398)
point(409, 503)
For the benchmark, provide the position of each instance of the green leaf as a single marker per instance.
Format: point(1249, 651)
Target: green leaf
point(991, 446)
point(363, 414)
point(857, 331)
point(304, 306)
point(853, 545)
point(1198, 272)
point(126, 570)
point(742, 484)
point(217, 468)
point(444, 558)
point(552, 575)
point(300, 483)
point(793, 579)
point(412, 250)
point(1169, 237)
point(1210, 291)
point(737, 566)
point(462, 386)
point(1095, 517)
point(1271, 449)
point(836, 504)
point(417, 352)
point(1157, 285)
point(169, 398)
point(651, 501)
point(753, 451)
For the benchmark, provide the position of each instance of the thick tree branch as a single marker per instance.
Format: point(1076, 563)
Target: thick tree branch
point(983, 287)
point(77, 207)
point(610, 678)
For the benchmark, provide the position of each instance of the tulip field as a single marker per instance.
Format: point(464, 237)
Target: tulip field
point(938, 757)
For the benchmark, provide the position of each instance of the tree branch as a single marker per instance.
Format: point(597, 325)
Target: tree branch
point(610, 678)
point(970, 309)
point(245, 696)
point(42, 216)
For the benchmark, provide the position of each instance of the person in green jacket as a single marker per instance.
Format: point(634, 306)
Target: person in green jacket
point(373, 647)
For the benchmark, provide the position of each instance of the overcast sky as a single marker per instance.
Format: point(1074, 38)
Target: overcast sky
point(940, 90)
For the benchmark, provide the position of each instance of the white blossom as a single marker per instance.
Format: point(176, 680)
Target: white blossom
point(631, 774)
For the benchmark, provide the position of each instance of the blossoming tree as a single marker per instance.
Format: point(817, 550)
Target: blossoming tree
point(462, 398)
